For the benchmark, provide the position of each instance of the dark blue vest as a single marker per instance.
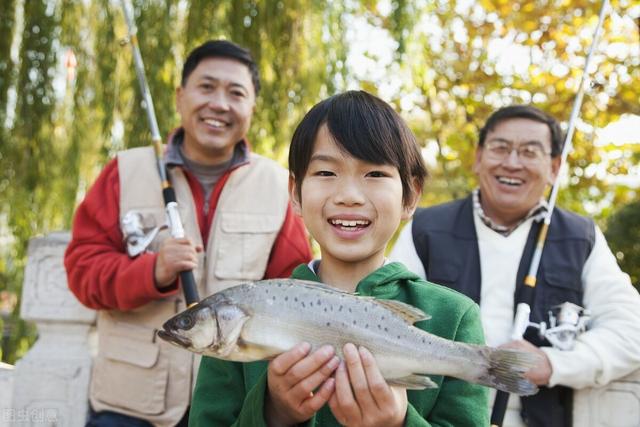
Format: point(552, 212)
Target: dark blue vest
point(446, 242)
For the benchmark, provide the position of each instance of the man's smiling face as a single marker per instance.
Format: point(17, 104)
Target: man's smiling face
point(509, 187)
point(216, 104)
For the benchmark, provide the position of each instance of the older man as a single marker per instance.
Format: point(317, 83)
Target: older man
point(481, 246)
point(238, 222)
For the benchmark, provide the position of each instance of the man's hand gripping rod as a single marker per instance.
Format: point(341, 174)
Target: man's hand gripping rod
point(173, 216)
point(523, 309)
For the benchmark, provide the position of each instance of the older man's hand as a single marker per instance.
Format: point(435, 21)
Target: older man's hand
point(541, 372)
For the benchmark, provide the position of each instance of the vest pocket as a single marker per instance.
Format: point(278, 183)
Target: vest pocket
point(244, 245)
point(130, 374)
point(564, 285)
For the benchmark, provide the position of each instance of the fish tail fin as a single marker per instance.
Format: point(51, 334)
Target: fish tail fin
point(506, 371)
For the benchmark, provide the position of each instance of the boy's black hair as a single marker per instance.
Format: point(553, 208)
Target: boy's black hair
point(525, 112)
point(221, 49)
point(367, 128)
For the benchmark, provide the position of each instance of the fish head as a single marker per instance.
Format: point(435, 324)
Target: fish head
point(207, 329)
point(194, 329)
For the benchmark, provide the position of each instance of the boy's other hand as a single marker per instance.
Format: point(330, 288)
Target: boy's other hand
point(362, 396)
point(292, 378)
point(174, 256)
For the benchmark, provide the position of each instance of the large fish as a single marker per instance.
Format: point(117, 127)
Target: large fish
point(259, 320)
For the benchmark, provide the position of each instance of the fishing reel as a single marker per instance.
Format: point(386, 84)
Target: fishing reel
point(134, 233)
point(566, 322)
point(133, 229)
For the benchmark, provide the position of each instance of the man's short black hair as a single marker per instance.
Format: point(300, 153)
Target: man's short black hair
point(525, 112)
point(221, 49)
point(367, 128)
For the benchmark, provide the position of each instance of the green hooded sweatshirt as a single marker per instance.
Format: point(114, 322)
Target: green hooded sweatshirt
point(233, 394)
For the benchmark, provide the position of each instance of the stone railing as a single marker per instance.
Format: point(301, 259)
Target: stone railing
point(50, 383)
point(6, 389)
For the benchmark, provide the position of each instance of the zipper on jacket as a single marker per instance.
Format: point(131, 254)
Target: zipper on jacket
point(205, 210)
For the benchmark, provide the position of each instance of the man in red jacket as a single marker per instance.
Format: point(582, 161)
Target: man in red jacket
point(238, 223)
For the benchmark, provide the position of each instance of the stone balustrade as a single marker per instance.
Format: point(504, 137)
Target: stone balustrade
point(6, 390)
point(51, 382)
point(49, 385)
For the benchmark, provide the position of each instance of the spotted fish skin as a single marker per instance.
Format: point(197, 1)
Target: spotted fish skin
point(259, 320)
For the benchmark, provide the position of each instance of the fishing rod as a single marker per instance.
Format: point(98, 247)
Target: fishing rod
point(523, 309)
point(168, 194)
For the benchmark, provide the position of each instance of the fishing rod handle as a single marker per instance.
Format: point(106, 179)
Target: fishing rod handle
point(520, 325)
point(174, 220)
point(499, 408)
point(187, 279)
point(189, 288)
point(521, 321)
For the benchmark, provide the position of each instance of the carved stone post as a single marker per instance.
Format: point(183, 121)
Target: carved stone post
point(51, 381)
point(6, 388)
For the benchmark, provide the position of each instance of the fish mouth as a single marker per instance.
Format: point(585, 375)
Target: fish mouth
point(174, 339)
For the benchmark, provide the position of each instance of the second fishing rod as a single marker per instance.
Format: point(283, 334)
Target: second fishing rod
point(527, 294)
point(176, 228)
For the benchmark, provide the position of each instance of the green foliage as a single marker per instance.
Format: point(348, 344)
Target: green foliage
point(33, 153)
point(67, 122)
point(445, 75)
point(31, 161)
point(156, 25)
point(623, 235)
point(456, 77)
point(7, 12)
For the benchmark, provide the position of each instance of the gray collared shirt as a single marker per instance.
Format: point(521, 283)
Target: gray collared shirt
point(207, 176)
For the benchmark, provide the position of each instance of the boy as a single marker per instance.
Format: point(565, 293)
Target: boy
point(355, 173)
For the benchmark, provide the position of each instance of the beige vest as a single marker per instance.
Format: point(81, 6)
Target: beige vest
point(135, 373)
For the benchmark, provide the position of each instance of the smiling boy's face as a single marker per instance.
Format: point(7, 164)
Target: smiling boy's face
point(351, 207)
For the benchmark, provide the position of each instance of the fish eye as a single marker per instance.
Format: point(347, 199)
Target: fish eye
point(185, 322)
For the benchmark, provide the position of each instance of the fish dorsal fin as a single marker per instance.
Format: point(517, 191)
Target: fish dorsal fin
point(408, 312)
point(319, 285)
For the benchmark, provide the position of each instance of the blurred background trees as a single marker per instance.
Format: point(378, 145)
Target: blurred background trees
point(623, 229)
point(69, 99)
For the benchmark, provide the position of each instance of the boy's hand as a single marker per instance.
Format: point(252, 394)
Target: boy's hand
point(372, 402)
point(292, 378)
